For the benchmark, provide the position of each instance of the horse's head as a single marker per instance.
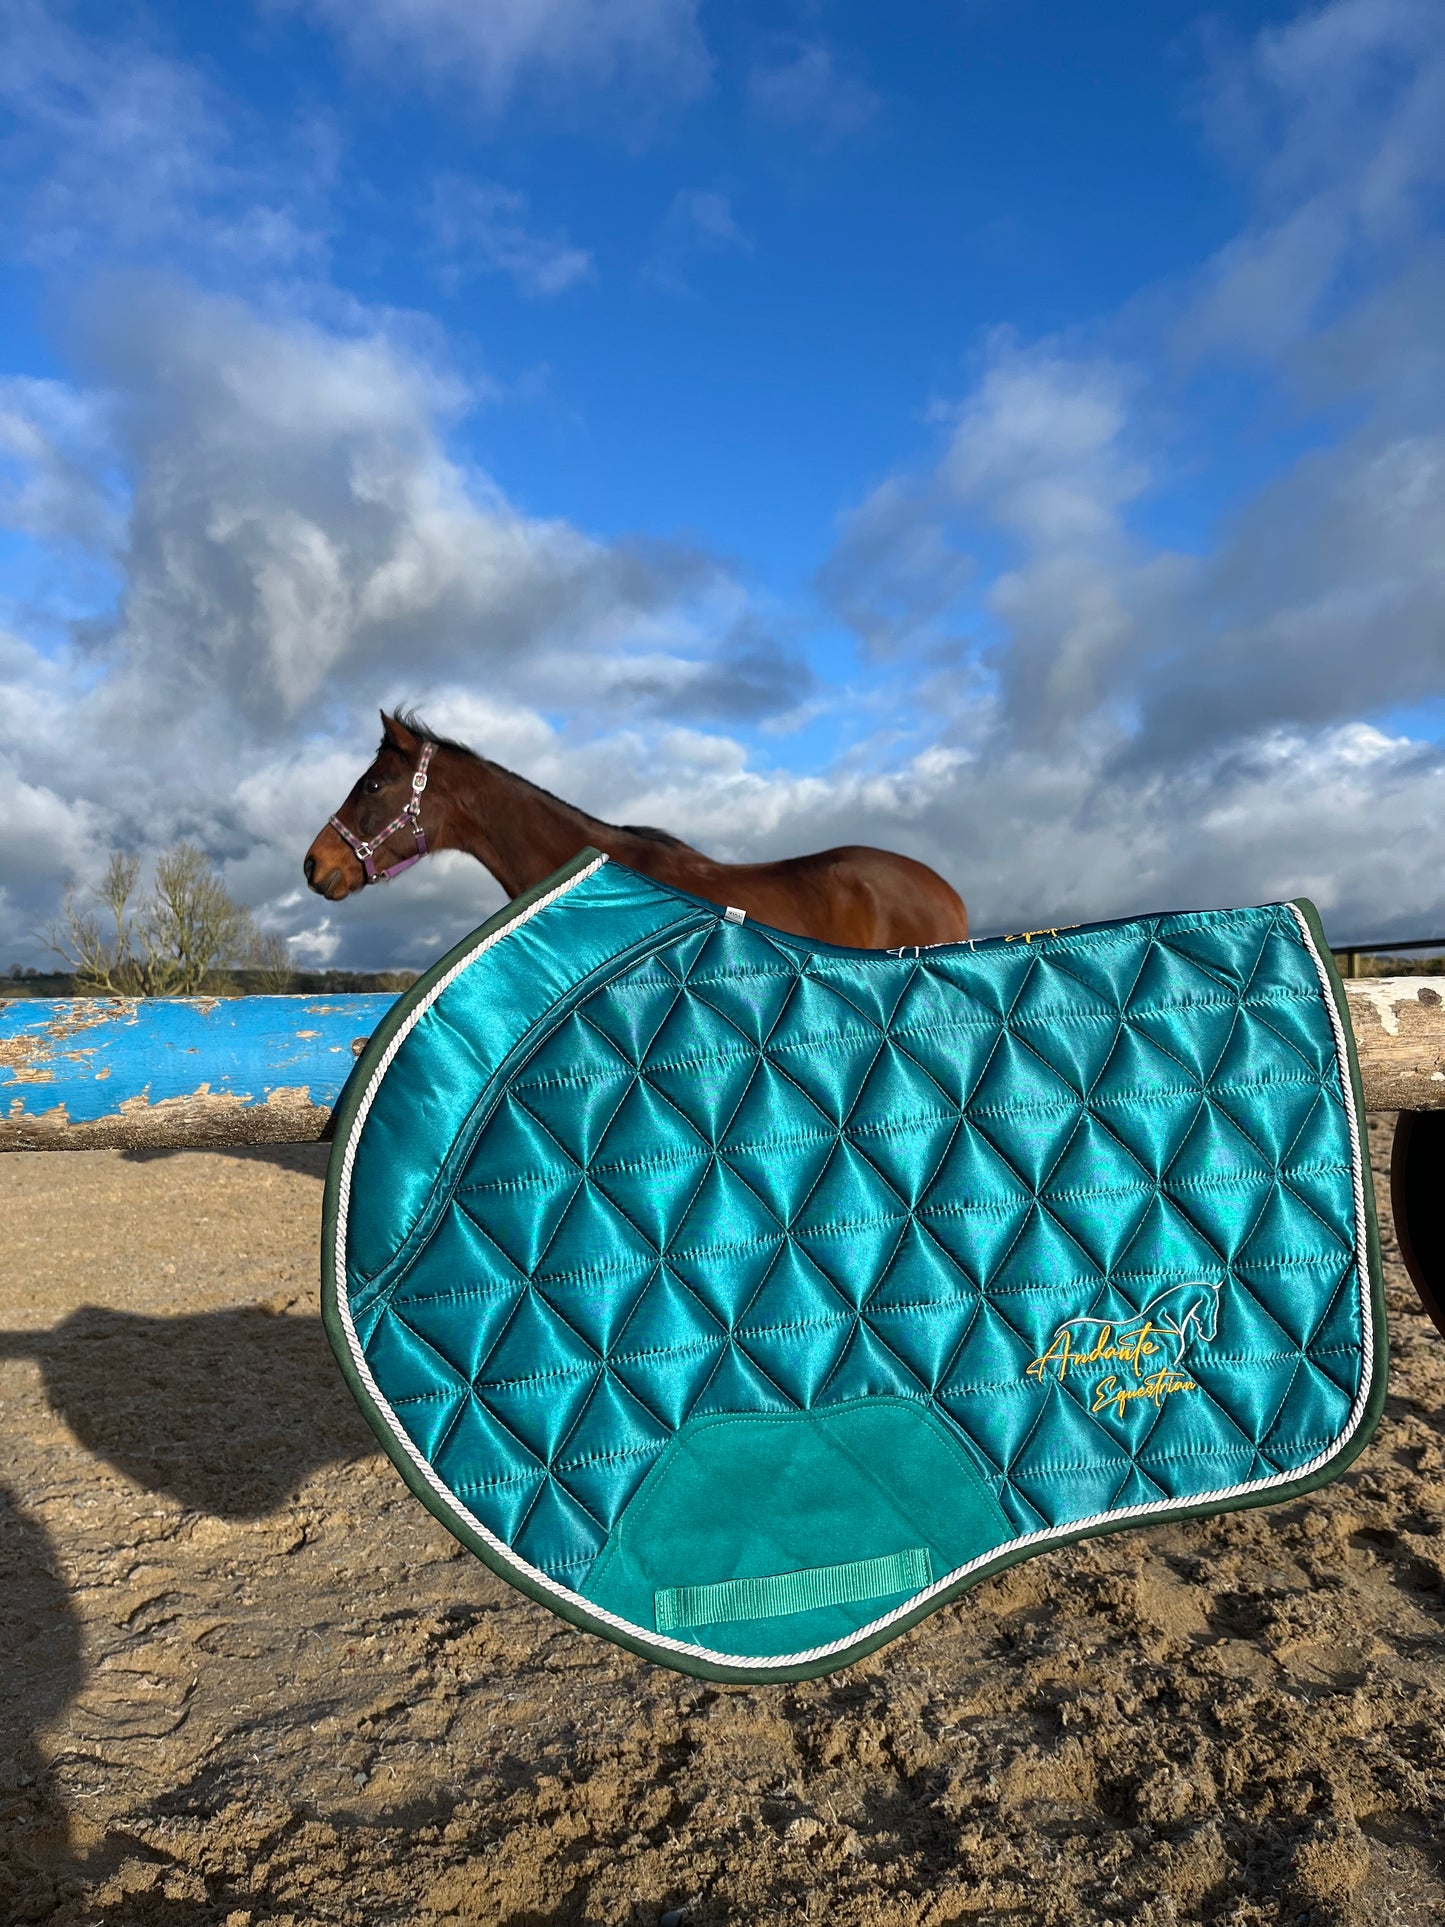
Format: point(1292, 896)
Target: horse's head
point(1196, 1311)
point(382, 826)
point(1207, 1312)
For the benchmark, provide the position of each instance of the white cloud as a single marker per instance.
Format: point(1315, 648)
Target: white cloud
point(1040, 442)
point(1144, 725)
point(1338, 119)
point(643, 50)
point(295, 546)
point(483, 227)
point(113, 139)
point(1070, 719)
point(801, 84)
point(1031, 838)
point(699, 222)
point(1316, 605)
point(53, 486)
point(315, 948)
point(296, 517)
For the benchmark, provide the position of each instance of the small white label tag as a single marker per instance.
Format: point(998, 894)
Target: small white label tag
point(733, 915)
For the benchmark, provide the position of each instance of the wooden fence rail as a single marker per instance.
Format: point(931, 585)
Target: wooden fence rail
point(85, 1073)
point(92, 1072)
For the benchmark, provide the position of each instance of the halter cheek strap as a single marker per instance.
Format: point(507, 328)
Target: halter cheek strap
point(409, 819)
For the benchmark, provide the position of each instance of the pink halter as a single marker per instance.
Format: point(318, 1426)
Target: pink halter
point(410, 819)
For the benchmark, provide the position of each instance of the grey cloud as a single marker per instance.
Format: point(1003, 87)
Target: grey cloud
point(896, 567)
point(295, 545)
point(1107, 726)
point(1325, 603)
point(748, 678)
point(296, 519)
point(1040, 456)
point(1318, 603)
point(1032, 839)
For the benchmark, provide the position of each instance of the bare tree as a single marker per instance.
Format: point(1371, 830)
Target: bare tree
point(103, 960)
point(271, 960)
point(170, 945)
point(192, 925)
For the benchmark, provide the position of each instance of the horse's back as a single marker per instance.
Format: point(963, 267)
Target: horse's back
point(853, 895)
point(889, 899)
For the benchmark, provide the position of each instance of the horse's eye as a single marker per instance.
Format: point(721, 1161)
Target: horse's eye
point(371, 785)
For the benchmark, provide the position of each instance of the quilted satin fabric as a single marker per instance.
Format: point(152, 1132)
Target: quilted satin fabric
point(1091, 1202)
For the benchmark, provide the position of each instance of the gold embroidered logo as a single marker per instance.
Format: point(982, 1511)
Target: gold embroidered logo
point(1146, 1351)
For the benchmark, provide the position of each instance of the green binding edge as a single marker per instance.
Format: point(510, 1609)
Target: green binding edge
point(343, 1120)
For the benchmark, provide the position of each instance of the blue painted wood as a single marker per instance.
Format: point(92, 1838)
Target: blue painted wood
point(91, 1054)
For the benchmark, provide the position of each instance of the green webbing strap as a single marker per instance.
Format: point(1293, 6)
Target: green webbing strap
point(792, 1592)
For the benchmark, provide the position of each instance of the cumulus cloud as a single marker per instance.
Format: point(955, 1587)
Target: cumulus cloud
point(294, 542)
point(1066, 715)
point(1218, 722)
point(295, 515)
point(495, 49)
point(482, 227)
point(1201, 708)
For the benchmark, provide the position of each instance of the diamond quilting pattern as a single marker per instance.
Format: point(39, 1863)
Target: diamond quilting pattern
point(747, 1175)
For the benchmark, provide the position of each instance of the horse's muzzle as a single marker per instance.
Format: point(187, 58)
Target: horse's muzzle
point(329, 882)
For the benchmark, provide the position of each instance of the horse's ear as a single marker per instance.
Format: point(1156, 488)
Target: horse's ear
point(397, 734)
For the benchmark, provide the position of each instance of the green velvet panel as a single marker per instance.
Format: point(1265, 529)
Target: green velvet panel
point(741, 1497)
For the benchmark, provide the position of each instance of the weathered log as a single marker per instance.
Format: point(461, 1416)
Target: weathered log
point(96, 1072)
point(1399, 1026)
point(89, 1073)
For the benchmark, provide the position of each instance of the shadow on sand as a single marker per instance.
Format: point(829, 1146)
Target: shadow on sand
point(226, 1412)
point(309, 1159)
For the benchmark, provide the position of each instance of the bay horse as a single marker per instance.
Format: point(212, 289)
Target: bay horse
point(423, 792)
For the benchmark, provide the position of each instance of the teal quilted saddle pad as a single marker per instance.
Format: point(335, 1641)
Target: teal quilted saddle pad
point(744, 1299)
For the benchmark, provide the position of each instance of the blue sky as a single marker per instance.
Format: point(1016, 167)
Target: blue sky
point(1008, 432)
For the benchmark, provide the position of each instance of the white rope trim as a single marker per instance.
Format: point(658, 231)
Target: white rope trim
point(748, 1662)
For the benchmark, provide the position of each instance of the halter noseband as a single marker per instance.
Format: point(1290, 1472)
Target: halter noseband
point(410, 819)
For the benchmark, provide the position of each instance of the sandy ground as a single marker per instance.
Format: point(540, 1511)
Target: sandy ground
point(244, 1678)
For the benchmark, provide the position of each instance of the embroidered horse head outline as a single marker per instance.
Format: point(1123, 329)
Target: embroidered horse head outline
point(1172, 1320)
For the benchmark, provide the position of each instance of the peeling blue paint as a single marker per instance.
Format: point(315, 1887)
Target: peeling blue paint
point(91, 1054)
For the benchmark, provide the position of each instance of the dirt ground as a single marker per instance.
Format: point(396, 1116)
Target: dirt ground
point(244, 1678)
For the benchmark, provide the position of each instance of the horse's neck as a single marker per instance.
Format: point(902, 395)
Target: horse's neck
point(520, 833)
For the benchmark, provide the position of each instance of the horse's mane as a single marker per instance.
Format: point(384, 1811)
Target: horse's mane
point(409, 719)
